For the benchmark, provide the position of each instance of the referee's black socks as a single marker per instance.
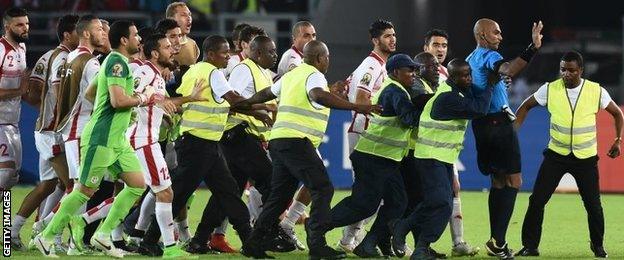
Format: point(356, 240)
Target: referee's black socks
point(501, 203)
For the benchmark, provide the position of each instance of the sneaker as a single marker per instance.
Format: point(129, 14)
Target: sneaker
point(59, 247)
point(366, 251)
point(76, 230)
point(219, 243)
point(133, 241)
point(149, 249)
point(16, 243)
point(599, 251)
point(346, 247)
point(46, 247)
point(279, 243)
point(525, 251)
point(102, 242)
point(36, 229)
point(290, 234)
point(464, 249)
point(501, 252)
point(175, 251)
point(126, 247)
point(327, 253)
point(399, 232)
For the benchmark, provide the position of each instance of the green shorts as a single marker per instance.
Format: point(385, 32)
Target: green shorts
point(97, 161)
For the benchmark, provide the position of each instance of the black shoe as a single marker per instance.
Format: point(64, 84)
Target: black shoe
point(199, 248)
point(123, 246)
point(150, 249)
point(252, 250)
point(599, 251)
point(436, 254)
point(525, 251)
point(366, 250)
point(501, 252)
point(326, 253)
point(280, 242)
point(385, 246)
point(423, 254)
point(399, 231)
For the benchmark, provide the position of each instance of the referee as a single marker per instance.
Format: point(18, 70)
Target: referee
point(572, 148)
point(498, 151)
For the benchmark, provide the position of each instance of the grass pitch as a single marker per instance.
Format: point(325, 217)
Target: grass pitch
point(565, 233)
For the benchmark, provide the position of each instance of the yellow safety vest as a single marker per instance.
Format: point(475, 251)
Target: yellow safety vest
point(296, 117)
point(573, 126)
point(414, 133)
point(205, 119)
point(385, 136)
point(437, 139)
point(261, 80)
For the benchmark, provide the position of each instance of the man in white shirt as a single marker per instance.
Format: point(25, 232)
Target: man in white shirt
point(12, 68)
point(572, 149)
point(302, 33)
point(44, 81)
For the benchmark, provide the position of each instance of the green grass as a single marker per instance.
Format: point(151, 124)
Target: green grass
point(565, 233)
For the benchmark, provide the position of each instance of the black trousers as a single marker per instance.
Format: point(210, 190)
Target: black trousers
point(411, 181)
point(430, 217)
point(376, 178)
point(202, 160)
point(296, 160)
point(585, 173)
point(246, 160)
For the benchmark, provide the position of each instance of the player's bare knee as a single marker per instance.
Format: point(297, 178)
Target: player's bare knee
point(165, 195)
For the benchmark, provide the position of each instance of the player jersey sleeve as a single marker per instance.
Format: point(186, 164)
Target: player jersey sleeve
point(40, 71)
point(142, 79)
point(90, 71)
point(363, 77)
point(240, 78)
point(541, 95)
point(116, 71)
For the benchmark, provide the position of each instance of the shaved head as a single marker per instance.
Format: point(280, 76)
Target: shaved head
point(259, 42)
point(487, 33)
point(316, 53)
point(424, 57)
point(484, 25)
point(460, 73)
point(456, 65)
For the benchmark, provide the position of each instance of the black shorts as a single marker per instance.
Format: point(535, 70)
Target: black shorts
point(498, 150)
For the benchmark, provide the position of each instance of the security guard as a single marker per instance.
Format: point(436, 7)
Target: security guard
point(572, 103)
point(377, 157)
point(242, 143)
point(201, 158)
point(298, 130)
point(439, 142)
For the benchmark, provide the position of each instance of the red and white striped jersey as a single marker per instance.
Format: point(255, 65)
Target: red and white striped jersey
point(135, 64)
point(81, 111)
point(145, 130)
point(12, 65)
point(367, 77)
point(40, 73)
point(443, 73)
point(234, 60)
point(290, 59)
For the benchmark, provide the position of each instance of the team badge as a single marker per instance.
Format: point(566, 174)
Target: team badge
point(366, 79)
point(39, 68)
point(291, 66)
point(117, 70)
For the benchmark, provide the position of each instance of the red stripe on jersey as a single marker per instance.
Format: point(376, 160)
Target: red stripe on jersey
point(377, 57)
point(151, 165)
point(150, 111)
point(83, 49)
point(133, 135)
point(442, 70)
point(103, 204)
point(7, 46)
point(297, 51)
point(74, 126)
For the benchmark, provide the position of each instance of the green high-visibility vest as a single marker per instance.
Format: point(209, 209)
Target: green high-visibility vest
point(261, 79)
point(573, 126)
point(385, 136)
point(296, 116)
point(414, 133)
point(437, 139)
point(204, 119)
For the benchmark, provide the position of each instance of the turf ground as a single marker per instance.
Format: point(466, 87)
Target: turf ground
point(565, 233)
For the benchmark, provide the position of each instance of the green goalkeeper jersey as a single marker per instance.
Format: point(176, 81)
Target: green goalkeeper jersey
point(108, 125)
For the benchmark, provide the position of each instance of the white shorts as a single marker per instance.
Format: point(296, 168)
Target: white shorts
point(46, 172)
point(353, 139)
point(49, 144)
point(155, 171)
point(72, 154)
point(10, 145)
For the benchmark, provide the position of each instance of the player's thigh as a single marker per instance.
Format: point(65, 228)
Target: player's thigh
point(96, 160)
point(46, 172)
point(127, 167)
point(72, 155)
point(154, 167)
point(10, 147)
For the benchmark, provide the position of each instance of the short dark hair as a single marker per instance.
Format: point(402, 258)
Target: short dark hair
point(67, 23)
point(84, 22)
point(146, 32)
point(236, 32)
point(212, 43)
point(165, 25)
point(151, 44)
point(573, 56)
point(12, 13)
point(247, 34)
point(118, 30)
point(435, 32)
point(377, 27)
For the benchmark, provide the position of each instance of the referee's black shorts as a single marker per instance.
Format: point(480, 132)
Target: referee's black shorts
point(498, 150)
